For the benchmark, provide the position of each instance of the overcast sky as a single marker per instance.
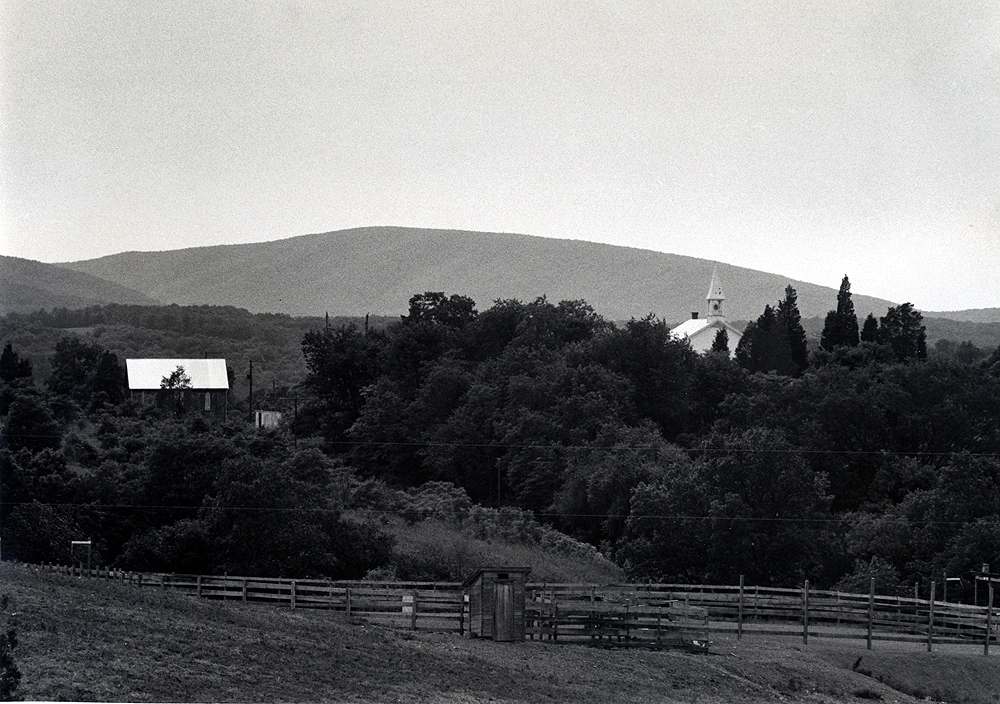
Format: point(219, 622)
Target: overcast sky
point(810, 139)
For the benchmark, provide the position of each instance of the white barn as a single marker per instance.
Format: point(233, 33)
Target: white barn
point(209, 390)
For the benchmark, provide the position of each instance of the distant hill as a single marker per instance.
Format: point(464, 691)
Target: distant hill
point(27, 285)
point(976, 315)
point(376, 270)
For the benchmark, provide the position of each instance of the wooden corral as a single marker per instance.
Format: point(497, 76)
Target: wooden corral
point(616, 618)
point(630, 615)
point(495, 601)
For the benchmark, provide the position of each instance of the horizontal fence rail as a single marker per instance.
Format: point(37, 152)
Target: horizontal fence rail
point(626, 615)
point(782, 612)
point(614, 617)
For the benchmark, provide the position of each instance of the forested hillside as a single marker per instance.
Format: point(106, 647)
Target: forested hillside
point(860, 454)
point(27, 285)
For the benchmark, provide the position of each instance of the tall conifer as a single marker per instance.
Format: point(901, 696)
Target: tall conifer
point(791, 320)
point(841, 326)
point(869, 331)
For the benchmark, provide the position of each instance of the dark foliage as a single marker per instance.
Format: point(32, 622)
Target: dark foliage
point(841, 327)
point(873, 461)
point(902, 329)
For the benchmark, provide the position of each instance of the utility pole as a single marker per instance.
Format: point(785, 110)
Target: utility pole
point(250, 377)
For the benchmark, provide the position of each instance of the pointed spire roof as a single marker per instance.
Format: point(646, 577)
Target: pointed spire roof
point(715, 288)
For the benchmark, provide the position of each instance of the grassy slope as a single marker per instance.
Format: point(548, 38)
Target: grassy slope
point(89, 640)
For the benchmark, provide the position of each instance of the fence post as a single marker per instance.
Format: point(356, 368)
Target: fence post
point(348, 603)
point(805, 613)
point(199, 587)
point(739, 613)
point(659, 618)
point(930, 619)
point(554, 637)
point(293, 594)
point(871, 610)
point(244, 589)
point(413, 614)
point(989, 620)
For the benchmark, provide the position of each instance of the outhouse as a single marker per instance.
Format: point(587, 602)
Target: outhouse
point(494, 599)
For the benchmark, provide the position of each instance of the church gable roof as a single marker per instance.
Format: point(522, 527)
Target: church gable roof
point(689, 328)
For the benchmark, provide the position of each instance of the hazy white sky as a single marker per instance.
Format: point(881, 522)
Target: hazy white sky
point(810, 139)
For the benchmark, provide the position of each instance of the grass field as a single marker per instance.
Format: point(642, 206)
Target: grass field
point(91, 640)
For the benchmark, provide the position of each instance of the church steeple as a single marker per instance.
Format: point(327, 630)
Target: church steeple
point(715, 297)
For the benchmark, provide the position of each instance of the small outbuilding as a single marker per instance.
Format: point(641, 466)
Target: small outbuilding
point(494, 597)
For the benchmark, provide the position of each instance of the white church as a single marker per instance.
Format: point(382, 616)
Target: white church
point(701, 332)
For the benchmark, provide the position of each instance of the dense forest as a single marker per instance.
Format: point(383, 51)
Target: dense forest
point(861, 454)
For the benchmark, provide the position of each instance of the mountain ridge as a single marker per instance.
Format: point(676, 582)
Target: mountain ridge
point(27, 285)
point(377, 269)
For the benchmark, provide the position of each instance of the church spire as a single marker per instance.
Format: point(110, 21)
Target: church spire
point(715, 297)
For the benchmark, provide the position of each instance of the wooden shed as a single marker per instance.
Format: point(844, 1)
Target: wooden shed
point(494, 597)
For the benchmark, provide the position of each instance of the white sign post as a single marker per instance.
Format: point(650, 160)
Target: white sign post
point(82, 542)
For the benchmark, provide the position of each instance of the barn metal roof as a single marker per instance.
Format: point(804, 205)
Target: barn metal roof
point(146, 374)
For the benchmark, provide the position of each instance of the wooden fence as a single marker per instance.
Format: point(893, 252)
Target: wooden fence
point(735, 610)
point(647, 615)
point(614, 617)
point(427, 606)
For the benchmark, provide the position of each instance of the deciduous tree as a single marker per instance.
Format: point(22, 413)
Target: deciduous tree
point(902, 328)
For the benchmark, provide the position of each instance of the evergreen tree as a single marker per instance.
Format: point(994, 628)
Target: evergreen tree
point(841, 326)
point(788, 317)
point(12, 366)
point(765, 346)
point(721, 341)
point(869, 331)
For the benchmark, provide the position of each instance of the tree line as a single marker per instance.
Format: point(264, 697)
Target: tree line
point(855, 457)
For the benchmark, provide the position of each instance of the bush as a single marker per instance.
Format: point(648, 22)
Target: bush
point(887, 581)
point(36, 532)
point(179, 547)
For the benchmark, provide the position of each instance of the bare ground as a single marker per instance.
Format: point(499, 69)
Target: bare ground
point(87, 640)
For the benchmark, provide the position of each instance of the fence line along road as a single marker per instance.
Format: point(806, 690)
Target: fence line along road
point(612, 610)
